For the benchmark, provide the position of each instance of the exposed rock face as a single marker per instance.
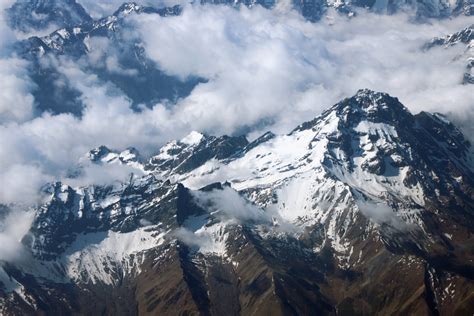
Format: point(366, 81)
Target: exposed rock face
point(31, 15)
point(78, 37)
point(463, 37)
point(367, 209)
point(134, 74)
point(313, 10)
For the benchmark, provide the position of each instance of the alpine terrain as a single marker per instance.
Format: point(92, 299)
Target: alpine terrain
point(366, 209)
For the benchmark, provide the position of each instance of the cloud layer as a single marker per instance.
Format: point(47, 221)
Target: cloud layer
point(266, 70)
point(13, 228)
point(229, 205)
point(276, 67)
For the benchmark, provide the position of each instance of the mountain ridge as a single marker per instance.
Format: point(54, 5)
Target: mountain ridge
point(357, 196)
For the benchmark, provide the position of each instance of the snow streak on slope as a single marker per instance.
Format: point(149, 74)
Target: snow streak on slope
point(103, 257)
point(363, 172)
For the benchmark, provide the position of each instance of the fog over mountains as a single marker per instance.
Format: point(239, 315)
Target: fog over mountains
point(320, 149)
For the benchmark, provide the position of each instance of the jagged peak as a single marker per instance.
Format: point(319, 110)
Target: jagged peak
point(464, 36)
point(132, 7)
point(98, 153)
point(366, 104)
point(262, 139)
point(194, 150)
point(127, 8)
point(129, 154)
point(371, 101)
point(104, 154)
point(193, 138)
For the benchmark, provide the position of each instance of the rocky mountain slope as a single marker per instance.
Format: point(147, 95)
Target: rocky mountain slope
point(29, 15)
point(125, 65)
point(82, 41)
point(38, 15)
point(463, 37)
point(68, 13)
point(367, 209)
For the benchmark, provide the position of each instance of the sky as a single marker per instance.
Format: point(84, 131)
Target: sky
point(266, 70)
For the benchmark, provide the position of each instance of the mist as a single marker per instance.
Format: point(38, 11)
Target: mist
point(13, 228)
point(230, 205)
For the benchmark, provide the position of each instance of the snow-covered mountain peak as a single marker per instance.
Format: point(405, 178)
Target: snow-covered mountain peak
point(365, 180)
point(372, 101)
point(98, 153)
point(369, 146)
point(194, 150)
point(465, 36)
point(103, 154)
point(192, 138)
point(365, 105)
point(371, 106)
point(127, 8)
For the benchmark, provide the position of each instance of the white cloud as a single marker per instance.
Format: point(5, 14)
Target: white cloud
point(275, 66)
point(12, 229)
point(230, 205)
point(381, 214)
point(103, 174)
point(269, 69)
point(16, 100)
point(103, 54)
point(20, 183)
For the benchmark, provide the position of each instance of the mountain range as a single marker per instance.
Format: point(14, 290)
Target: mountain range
point(366, 209)
point(127, 67)
point(27, 15)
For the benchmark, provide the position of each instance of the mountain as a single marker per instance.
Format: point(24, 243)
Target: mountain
point(366, 209)
point(314, 10)
point(37, 15)
point(125, 65)
point(423, 9)
point(27, 15)
point(463, 37)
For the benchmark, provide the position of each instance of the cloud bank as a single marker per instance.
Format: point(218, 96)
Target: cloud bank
point(13, 228)
point(228, 204)
point(266, 70)
point(276, 67)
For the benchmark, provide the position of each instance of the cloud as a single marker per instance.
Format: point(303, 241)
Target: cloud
point(274, 66)
point(191, 239)
point(266, 70)
point(102, 53)
point(16, 100)
point(6, 33)
point(13, 228)
point(381, 214)
point(229, 207)
point(20, 183)
point(104, 174)
point(228, 204)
